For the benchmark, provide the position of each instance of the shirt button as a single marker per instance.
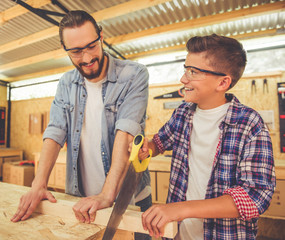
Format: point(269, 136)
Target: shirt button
point(74, 149)
point(83, 95)
point(80, 113)
point(103, 153)
point(77, 130)
point(74, 168)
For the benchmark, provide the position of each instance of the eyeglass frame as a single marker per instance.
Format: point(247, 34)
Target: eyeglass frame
point(206, 71)
point(78, 48)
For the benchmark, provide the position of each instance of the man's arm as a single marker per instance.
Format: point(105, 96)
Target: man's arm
point(85, 209)
point(38, 192)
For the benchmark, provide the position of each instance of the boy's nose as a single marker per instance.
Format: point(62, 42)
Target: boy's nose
point(184, 79)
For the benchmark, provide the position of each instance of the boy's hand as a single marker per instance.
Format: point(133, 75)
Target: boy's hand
point(143, 152)
point(156, 217)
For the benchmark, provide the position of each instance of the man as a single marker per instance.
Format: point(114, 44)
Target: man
point(98, 108)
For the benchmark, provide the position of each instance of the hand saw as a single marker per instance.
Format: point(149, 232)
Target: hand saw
point(128, 188)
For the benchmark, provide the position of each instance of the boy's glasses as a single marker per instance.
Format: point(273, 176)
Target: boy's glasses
point(194, 73)
point(90, 48)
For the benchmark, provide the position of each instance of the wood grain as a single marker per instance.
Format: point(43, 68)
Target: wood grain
point(57, 221)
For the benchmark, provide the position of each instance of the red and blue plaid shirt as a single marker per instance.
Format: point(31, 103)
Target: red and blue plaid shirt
point(243, 166)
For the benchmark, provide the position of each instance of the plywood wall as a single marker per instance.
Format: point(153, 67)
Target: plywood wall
point(20, 113)
point(157, 115)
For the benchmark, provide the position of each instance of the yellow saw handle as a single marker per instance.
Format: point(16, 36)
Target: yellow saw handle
point(139, 166)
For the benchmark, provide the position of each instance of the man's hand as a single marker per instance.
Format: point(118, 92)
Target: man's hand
point(85, 209)
point(30, 201)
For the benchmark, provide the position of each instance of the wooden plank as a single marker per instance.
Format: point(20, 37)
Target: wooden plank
point(41, 226)
point(18, 10)
point(11, 152)
point(131, 220)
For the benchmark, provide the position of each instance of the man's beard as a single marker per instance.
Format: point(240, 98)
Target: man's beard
point(93, 74)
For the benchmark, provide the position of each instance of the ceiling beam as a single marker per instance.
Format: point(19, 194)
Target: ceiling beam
point(18, 10)
point(107, 13)
point(56, 54)
point(180, 47)
point(40, 74)
point(201, 22)
point(125, 8)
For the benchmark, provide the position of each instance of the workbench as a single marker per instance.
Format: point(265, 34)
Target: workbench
point(41, 226)
point(56, 221)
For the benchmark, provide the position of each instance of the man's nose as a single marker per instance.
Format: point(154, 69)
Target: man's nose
point(86, 56)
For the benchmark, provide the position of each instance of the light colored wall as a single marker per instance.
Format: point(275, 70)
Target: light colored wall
point(20, 137)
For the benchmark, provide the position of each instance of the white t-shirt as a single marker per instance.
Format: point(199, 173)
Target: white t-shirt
point(203, 142)
point(90, 158)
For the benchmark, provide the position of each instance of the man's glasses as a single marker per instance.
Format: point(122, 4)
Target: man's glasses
point(194, 73)
point(90, 48)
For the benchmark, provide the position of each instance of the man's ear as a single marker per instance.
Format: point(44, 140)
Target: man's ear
point(101, 34)
point(225, 83)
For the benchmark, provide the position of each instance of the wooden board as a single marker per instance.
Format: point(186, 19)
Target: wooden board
point(57, 221)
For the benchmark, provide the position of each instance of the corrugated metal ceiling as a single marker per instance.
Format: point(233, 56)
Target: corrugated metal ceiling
point(164, 13)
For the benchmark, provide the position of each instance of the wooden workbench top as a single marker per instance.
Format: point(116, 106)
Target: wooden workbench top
point(38, 226)
point(57, 221)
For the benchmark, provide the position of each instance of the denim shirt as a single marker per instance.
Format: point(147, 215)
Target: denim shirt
point(125, 96)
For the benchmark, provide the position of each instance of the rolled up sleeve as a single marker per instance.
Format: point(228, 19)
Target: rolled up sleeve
point(131, 114)
point(57, 127)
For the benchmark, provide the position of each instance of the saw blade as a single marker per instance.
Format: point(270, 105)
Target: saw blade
point(127, 190)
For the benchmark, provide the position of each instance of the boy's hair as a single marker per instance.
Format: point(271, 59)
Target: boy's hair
point(76, 19)
point(225, 54)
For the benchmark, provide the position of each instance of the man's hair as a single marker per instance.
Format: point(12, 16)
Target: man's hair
point(76, 19)
point(225, 54)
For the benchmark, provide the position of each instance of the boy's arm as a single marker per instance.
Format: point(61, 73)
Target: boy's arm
point(156, 217)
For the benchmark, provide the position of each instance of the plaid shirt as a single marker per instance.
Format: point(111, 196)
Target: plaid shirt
point(243, 166)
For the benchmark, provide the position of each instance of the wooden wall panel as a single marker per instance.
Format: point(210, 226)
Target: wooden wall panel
point(156, 114)
point(20, 113)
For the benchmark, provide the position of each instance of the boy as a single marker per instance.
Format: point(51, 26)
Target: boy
point(222, 170)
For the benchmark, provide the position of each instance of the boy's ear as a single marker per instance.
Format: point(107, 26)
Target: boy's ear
point(225, 83)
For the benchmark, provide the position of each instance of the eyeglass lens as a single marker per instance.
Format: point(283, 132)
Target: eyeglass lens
point(90, 49)
point(194, 74)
